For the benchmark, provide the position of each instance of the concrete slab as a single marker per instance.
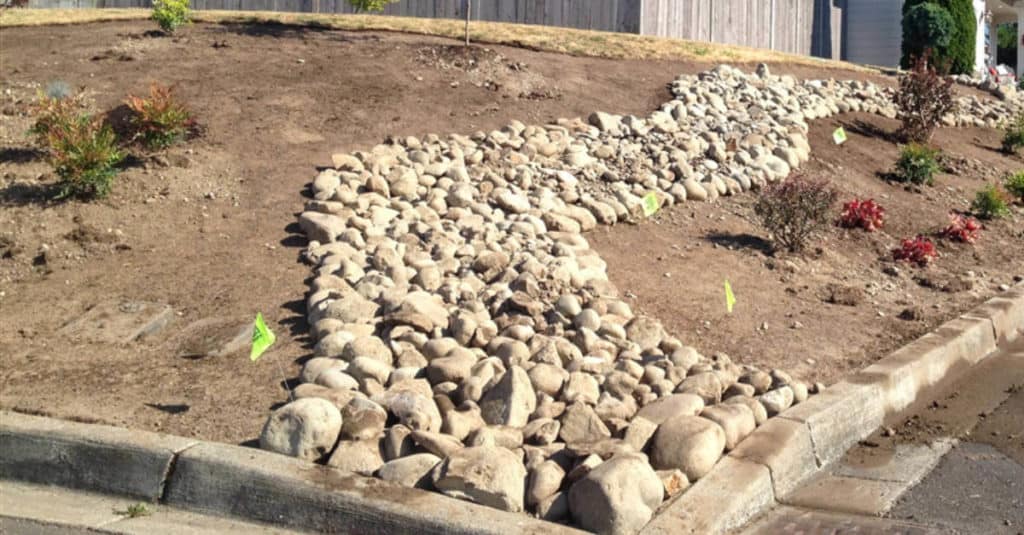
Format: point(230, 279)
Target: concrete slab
point(267, 487)
point(907, 465)
point(838, 417)
point(800, 521)
point(27, 508)
point(93, 457)
point(118, 322)
point(785, 447)
point(724, 500)
point(57, 505)
point(847, 495)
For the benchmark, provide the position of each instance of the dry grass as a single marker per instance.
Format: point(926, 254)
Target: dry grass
point(561, 40)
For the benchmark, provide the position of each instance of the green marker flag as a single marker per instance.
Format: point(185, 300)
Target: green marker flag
point(839, 136)
point(651, 204)
point(730, 299)
point(262, 338)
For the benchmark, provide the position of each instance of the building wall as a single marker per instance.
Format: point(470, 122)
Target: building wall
point(873, 32)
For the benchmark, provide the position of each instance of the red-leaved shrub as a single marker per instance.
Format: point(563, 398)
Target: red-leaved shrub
point(962, 229)
point(867, 215)
point(919, 250)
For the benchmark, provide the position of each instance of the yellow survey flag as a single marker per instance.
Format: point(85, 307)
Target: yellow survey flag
point(262, 338)
point(839, 136)
point(651, 204)
point(730, 299)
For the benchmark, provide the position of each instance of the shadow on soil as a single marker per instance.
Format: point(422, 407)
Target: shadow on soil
point(741, 241)
point(869, 130)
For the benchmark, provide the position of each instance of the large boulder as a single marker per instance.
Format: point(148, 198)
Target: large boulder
point(672, 406)
point(511, 401)
point(690, 443)
point(486, 475)
point(618, 497)
point(411, 471)
point(306, 428)
point(422, 311)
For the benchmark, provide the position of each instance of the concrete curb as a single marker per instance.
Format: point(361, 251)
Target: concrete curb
point(257, 485)
point(787, 450)
point(236, 481)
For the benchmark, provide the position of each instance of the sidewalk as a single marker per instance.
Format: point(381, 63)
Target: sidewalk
point(953, 465)
point(28, 509)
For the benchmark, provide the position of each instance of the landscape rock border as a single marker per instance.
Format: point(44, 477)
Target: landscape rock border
point(262, 486)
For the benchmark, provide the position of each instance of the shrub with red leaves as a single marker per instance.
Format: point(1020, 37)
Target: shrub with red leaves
point(919, 250)
point(867, 215)
point(962, 229)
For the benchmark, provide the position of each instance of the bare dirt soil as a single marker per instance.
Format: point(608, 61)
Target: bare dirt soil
point(208, 227)
point(845, 303)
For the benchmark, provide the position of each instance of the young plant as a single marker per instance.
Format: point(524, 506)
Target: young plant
point(795, 209)
point(1013, 139)
point(962, 229)
point(85, 155)
point(917, 165)
point(369, 5)
point(1014, 185)
point(171, 14)
point(924, 97)
point(919, 250)
point(160, 120)
point(54, 110)
point(867, 215)
point(990, 203)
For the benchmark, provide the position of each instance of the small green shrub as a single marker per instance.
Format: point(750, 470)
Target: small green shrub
point(990, 203)
point(1014, 185)
point(171, 14)
point(54, 110)
point(917, 165)
point(84, 154)
point(370, 5)
point(160, 120)
point(1013, 139)
point(794, 210)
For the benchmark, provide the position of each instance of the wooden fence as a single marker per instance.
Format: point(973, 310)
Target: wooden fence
point(808, 27)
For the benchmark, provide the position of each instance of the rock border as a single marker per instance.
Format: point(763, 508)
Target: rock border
point(787, 451)
point(257, 485)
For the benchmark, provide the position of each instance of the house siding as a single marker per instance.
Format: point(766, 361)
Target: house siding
point(874, 32)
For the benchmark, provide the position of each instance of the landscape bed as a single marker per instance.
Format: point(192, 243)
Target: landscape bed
point(238, 254)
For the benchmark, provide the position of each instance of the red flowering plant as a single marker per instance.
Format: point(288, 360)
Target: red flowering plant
point(962, 229)
point(919, 250)
point(867, 215)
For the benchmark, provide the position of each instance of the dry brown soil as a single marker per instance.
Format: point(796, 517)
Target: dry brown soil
point(208, 227)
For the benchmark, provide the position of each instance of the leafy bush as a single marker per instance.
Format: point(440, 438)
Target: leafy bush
point(85, 155)
point(161, 119)
point(54, 110)
point(926, 26)
point(962, 229)
point(990, 203)
point(923, 99)
point(1014, 185)
point(171, 14)
point(867, 215)
point(370, 5)
point(917, 164)
point(793, 210)
point(1013, 139)
point(919, 250)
